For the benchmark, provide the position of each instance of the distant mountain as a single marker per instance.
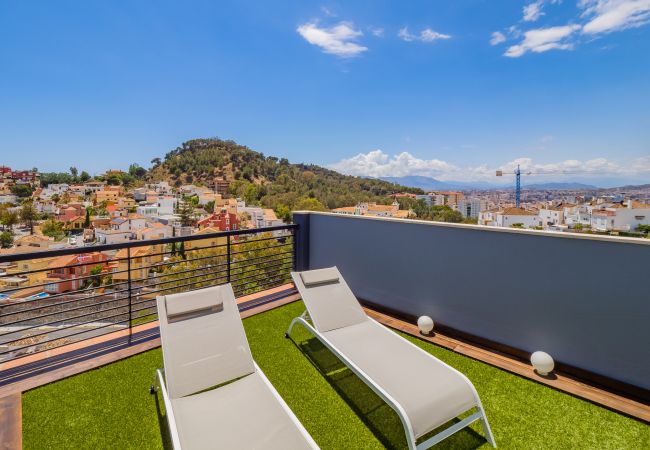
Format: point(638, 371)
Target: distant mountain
point(431, 184)
point(559, 186)
point(630, 187)
point(424, 183)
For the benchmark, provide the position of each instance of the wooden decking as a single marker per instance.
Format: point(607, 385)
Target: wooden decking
point(11, 422)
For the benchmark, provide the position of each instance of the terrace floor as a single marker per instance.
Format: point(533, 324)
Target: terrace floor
point(111, 407)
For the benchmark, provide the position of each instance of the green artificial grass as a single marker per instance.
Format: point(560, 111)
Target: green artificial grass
point(111, 407)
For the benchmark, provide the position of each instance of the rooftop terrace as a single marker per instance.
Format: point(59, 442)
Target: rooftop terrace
point(77, 364)
point(111, 407)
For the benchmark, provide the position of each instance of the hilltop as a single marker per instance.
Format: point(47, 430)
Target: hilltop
point(267, 180)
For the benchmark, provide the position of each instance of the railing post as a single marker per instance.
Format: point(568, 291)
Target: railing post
point(294, 248)
point(128, 280)
point(301, 240)
point(228, 255)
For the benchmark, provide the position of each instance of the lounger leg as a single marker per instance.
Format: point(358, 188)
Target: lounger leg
point(408, 429)
point(302, 318)
point(486, 428)
point(155, 385)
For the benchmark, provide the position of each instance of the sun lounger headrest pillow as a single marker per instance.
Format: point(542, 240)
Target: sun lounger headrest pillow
point(320, 277)
point(179, 306)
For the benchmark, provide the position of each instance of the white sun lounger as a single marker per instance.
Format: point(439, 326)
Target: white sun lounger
point(204, 345)
point(424, 391)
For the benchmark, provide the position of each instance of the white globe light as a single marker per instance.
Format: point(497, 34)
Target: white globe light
point(425, 324)
point(542, 362)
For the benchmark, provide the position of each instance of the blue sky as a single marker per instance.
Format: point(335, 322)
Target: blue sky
point(452, 90)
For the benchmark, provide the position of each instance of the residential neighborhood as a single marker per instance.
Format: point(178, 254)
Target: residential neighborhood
point(37, 216)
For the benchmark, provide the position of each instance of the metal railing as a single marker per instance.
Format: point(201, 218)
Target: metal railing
point(58, 297)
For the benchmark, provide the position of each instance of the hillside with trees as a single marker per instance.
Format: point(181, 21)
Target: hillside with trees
point(267, 180)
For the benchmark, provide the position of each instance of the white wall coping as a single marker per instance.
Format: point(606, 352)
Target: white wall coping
point(467, 226)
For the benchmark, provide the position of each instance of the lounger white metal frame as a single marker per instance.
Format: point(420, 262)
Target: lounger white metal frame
point(401, 413)
point(159, 384)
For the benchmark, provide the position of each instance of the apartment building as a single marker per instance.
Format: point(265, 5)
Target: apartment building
point(471, 207)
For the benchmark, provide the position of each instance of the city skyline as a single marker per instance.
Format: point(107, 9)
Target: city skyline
point(452, 92)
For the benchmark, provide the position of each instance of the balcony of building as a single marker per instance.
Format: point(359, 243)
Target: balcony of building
point(76, 366)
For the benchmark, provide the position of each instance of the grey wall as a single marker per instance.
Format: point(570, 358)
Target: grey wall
point(584, 301)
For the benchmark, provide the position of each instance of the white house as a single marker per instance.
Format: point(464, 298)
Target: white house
point(507, 217)
point(54, 188)
point(511, 216)
point(488, 217)
point(166, 203)
point(94, 186)
point(577, 215)
point(162, 187)
point(619, 217)
point(148, 210)
point(112, 236)
point(131, 223)
point(255, 213)
point(551, 216)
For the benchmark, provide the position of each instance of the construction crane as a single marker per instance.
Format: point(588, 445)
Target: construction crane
point(517, 174)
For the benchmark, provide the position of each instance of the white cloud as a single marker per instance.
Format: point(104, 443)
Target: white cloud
point(327, 11)
point(426, 35)
point(377, 31)
point(497, 38)
point(606, 16)
point(376, 163)
point(533, 11)
point(405, 35)
point(514, 31)
point(543, 39)
point(338, 40)
point(597, 17)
